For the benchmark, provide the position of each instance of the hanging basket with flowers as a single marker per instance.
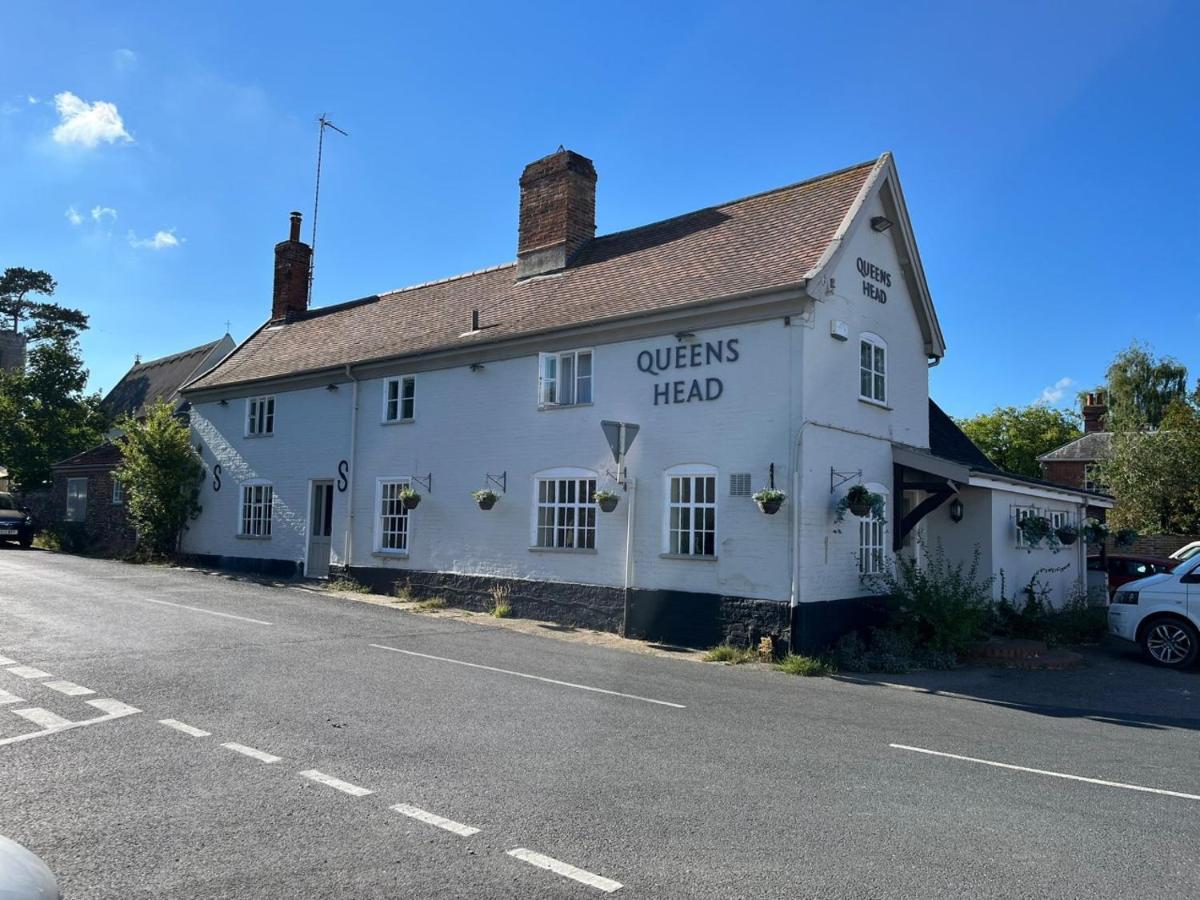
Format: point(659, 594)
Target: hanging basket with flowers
point(1095, 531)
point(486, 498)
point(861, 501)
point(607, 500)
point(1125, 537)
point(1066, 534)
point(769, 500)
point(410, 498)
point(1035, 529)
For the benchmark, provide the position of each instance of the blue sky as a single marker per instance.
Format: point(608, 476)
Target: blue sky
point(1046, 151)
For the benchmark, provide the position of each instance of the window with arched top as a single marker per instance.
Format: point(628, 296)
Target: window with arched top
point(564, 509)
point(691, 510)
point(872, 368)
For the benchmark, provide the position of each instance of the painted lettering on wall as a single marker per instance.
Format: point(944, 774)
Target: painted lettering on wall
point(343, 482)
point(664, 360)
point(217, 477)
point(874, 281)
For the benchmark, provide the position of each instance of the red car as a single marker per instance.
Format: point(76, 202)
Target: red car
point(1124, 567)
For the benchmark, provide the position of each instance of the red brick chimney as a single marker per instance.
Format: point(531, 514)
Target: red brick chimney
point(1094, 411)
point(558, 212)
point(293, 258)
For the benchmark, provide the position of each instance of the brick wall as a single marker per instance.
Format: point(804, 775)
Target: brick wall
point(105, 525)
point(1161, 545)
point(1065, 472)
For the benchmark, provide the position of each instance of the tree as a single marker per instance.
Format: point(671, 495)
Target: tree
point(1155, 475)
point(1140, 388)
point(45, 416)
point(1013, 437)
point(161, 473)
point(47, 320)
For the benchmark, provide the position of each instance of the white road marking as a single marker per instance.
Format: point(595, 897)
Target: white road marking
point(252, 753)
point(429, 818)
point(70, 688)
point(113, 709)
point(566, 870)
point(43, 717)
point(5, 661)
point(28, 672)
point(6, 697)
point(210, 612)
point(1013, 768)
point(344, 786)
point(570, 684)
point(184, 727)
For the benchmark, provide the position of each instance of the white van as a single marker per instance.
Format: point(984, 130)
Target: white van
point(1161, 613)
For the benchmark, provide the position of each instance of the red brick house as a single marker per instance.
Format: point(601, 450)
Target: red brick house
point(84, 494)
point(1074, 463)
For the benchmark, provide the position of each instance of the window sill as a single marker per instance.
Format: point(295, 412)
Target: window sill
point(688, 556)
point(390, 554)
point(546, 407)
point(253, 537)
point(585, 551)
point(396, 421)
point(265, 435)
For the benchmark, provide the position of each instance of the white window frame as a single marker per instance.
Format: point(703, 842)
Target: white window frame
point(74, 494)
point(878, 376)
point(549, 386)
point(873, 537)
point(1019, 513)
point(118, 493)
point(582, 511)
point(260, 416)
point(399, 512)
point(394, 407)
point(256, 515)
point(671, 534)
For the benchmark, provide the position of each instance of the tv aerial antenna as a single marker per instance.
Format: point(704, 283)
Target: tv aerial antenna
point(324, 123)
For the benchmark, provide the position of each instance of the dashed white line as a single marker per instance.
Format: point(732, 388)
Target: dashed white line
point(184, 727)
point(6, 697)
point(252, 752)
point(343, 786)
point(28, 672)
point(70, 688)
point(414, 812)
point(1014, 768)
point(570, 684)
point(113, 708)
point(566, 870)
point(210, 612)
point(42, 717)
point(5, 661)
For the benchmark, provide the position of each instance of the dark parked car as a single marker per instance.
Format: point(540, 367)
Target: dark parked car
point(1124, 567)
point(15, 522)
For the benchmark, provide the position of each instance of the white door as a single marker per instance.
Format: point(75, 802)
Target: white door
point(320, 529)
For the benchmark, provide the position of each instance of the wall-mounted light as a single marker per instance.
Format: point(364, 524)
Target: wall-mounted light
point(956, 510)
point(684, 336)
point(222, 402)
point(331, 387)
point(880, 223)
point(477, 367)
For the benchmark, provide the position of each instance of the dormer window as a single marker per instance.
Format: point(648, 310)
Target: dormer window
point(564, 379)
point(260, 416)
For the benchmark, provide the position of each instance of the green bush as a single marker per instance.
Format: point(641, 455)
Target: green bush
point(939, 605)
point(805, 666)
point(727, 653)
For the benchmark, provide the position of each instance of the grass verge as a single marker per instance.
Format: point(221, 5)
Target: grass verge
point(807, 666)
point(731, 655)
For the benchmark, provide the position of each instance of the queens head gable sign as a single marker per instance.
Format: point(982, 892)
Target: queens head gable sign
point(678, 360)
point(875, 280)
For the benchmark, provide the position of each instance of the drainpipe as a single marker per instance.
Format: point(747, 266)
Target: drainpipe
point(349, 542)
point(632, 488)
point(797, 487)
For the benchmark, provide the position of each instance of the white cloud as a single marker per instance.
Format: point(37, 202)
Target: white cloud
point(1054, 393)
point(161, 240)
point(73, 216)
point(32, 99)
point(87, 124)
point(124, 59)
point(102, 214)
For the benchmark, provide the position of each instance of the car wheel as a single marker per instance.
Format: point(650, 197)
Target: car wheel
point(1172, 643)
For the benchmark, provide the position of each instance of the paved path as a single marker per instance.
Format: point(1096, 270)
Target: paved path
point(172, 734)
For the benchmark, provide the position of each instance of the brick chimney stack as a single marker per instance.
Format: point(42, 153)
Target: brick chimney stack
point(1094, 411)
point(293, 258)
point(558, 212)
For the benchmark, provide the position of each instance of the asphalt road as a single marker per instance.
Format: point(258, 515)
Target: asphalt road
point(650, 777)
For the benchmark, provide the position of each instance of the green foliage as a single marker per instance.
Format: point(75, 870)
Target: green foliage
point(769, 495)
point(1035, 529)
point(344, 584)
point(602, 495)
point(1013, 437)
point(860, 494)
point(1155, 475)
point(161, 472)
point(727, 653)
point(1141, 388)
point(47, 320)
point(805, 666)
point(45, 416)
point(432, 603)
point(1083, 619)
point(939, 605)
point(485, 494)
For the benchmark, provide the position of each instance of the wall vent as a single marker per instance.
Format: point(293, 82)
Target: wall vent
point(739, 484)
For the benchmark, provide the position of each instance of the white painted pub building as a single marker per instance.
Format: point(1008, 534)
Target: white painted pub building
point(782, 339)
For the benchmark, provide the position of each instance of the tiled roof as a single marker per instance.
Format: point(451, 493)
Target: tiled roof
point(106, 455)
point(158, 379)
point(759, 243)
point(1092, 446)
